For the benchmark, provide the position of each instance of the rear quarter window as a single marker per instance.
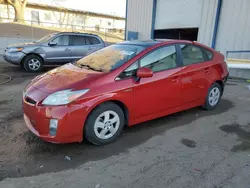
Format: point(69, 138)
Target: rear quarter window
point(209, 54)
point(92, 40)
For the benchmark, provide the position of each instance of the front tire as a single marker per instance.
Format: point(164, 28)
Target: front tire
point(33, 63)
point(213, 97)
point(104, 124)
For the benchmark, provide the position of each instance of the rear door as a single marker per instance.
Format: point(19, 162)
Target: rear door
point(93, 44)
point(59, 53)
point(78, 47)
point(196, 73)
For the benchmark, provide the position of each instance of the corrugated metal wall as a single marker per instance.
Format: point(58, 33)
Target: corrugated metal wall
point(234, 26)
point(139, 17)
point(206, 27)
point(178, 14)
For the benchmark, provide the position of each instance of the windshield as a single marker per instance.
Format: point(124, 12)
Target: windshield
point(111, 57)
point(46, 38)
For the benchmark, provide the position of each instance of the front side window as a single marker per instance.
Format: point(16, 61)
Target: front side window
point(191, 54)
point(130, 71)
point(111, 57)
point(62, 40)
point(161, 59)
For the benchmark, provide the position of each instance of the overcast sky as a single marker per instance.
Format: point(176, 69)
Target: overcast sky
point(116, 7)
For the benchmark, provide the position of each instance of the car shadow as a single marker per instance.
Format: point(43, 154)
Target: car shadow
point(51, 157)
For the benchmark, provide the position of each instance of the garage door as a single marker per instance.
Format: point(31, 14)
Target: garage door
point(178, 14)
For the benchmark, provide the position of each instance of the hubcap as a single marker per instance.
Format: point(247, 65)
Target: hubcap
point(214, 96)
point(34, 64)
point(106, 124)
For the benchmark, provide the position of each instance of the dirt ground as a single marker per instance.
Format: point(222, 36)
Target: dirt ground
point(194, 148)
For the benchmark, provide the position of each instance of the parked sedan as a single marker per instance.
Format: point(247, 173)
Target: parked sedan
point(54, 49)
point(123, 84)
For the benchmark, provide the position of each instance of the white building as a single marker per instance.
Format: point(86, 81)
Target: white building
point(46, 15)
point(221, 24)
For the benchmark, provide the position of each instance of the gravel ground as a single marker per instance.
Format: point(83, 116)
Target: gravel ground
point(194, 148)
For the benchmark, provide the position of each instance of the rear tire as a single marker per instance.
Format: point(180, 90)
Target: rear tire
point(33, 63)
point(213, 97)
point(104, 124)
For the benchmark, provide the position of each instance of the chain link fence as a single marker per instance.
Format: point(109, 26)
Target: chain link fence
point(28, 31)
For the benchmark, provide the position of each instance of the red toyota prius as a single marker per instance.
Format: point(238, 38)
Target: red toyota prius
point(123, 84)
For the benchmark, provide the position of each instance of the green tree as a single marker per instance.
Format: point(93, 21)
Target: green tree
point(19, 6)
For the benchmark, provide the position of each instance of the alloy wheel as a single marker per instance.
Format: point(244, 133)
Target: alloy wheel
point(34, 64)
point(106, 124)
point(214, 96)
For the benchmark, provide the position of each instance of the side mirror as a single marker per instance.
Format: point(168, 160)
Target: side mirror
point(144, 72)
point(52, 43)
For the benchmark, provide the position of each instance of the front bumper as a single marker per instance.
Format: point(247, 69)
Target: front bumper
point(14, 58)
point(70, 118)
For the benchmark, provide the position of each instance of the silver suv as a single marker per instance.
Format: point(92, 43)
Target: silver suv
point(53, 49)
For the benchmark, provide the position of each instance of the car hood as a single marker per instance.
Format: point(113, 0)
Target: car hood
point(22, 45)
point(68, 76)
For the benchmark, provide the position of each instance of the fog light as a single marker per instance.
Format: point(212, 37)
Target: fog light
point(53, 126)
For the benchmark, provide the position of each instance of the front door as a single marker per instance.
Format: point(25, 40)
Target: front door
point(162, 91)
point(60, 52)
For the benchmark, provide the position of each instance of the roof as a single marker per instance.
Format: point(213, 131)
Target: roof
point(74, 11)
point(148, 43)
point(80, 33)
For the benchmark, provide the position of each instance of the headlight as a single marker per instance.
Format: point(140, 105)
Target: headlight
point(15, 50)
point(63, 97)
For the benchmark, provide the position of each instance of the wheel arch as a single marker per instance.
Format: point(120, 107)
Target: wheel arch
point(118, 102)
point(124, 109)
point(222, 85)
point(32, 53)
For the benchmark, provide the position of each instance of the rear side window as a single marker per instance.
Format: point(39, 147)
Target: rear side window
point(92, 40)
point(76, 40)
point(191, 54)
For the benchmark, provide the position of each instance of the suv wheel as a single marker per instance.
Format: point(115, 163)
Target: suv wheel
point(33, 63)
point(104, 124)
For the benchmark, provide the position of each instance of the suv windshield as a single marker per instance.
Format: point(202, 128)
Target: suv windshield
point(110, 58)
point(46, 38)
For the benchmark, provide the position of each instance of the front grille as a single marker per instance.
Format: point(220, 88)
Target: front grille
point(29, 100)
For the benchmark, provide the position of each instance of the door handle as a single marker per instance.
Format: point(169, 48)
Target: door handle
point(207, 70)
point(176, 79)
point(67, 49)
point(91, 48)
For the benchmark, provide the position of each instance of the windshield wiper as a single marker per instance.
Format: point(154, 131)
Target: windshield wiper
point(89, 67)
